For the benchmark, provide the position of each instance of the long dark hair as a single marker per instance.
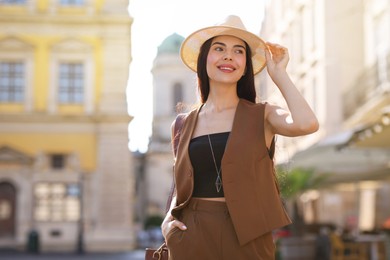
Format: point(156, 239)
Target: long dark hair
point(245, 86)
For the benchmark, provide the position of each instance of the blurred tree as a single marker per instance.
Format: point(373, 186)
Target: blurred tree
point(292, 185)
point(153, 221)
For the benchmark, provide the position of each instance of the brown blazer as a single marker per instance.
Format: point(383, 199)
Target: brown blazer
point(249, 184)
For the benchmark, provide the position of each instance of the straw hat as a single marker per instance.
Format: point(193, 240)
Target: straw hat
point(231, 26)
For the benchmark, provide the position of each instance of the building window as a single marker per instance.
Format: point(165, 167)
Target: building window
point(314, 19)
point(57, 202)
point(381, 41)
point(57, 161)
point(72, 2)
point(301, 33)
point(5, 210)
point(177, 95)
point(71, 83)
point(13, 2)
point(11, 81)
point(314, 96)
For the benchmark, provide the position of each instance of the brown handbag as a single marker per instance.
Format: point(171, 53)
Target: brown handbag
point(162, 253)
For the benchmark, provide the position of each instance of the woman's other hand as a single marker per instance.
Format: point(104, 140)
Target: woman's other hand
point(170, 223)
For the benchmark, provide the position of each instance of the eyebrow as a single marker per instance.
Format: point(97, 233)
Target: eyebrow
point(237, 45)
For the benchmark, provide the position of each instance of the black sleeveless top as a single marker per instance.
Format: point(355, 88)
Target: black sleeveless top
point(202, 161)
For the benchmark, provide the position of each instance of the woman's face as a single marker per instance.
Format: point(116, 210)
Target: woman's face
point(226, 60)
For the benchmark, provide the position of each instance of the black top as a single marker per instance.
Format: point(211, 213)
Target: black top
point(202, 161)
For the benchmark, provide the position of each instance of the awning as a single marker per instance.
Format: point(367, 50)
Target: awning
point(336, 156)
point(376, 135)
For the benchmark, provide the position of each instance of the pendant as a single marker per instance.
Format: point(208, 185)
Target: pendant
point(218, 183)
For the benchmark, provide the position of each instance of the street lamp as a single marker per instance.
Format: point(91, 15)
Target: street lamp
point(80, 240)
point(76, 190)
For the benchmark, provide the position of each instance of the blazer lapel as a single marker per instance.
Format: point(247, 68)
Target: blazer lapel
point(183, 168)
point(187, 132)
point(235, 135)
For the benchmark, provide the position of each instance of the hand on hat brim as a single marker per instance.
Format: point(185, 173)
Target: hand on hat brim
point(277, 57)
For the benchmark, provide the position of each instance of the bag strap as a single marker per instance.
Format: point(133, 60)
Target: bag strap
point(158, 254)
point(179, 122)
point(177, 130)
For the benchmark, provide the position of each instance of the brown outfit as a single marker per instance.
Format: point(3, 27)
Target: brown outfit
point(251, 191)
point(210, 235)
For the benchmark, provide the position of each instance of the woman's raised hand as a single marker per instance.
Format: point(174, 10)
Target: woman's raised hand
point(277, 59)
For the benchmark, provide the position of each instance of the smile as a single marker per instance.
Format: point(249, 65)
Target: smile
point(226, 68)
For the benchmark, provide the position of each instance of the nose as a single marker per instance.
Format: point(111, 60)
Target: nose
point(227, 57)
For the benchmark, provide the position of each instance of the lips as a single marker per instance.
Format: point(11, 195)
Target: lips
point(227, 68)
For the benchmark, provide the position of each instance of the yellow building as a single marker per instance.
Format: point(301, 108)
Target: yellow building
point(65, 167)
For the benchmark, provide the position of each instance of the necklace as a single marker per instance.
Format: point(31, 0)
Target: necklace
point(218, 181)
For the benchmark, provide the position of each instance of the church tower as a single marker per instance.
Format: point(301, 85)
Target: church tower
point(173, 83)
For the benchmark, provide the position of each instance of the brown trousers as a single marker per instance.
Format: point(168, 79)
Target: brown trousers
point(210, 235)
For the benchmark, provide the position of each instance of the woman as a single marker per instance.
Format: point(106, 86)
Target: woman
point(226, 200)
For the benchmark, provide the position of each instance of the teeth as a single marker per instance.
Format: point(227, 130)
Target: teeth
point(226, 68)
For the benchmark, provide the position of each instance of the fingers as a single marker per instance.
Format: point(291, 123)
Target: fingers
point(276, 49)
point(276, 55)
point(174, 223)
point(178, 224)
point(268, 57)
point(168, 226)
point(275, 46)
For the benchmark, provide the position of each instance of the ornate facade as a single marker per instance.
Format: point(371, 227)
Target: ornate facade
point(65, 166)
point(340, 61)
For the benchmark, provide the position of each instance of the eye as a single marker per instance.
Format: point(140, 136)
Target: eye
point(240, 51)
point(218, 48)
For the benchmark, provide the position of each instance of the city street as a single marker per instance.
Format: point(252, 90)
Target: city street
point(134, 255)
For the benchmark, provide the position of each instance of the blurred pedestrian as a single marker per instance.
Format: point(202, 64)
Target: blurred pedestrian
point(323, 244)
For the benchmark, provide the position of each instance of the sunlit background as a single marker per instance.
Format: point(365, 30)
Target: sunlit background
point(82, 81)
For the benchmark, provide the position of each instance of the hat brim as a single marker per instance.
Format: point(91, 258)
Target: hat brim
point(190, 47)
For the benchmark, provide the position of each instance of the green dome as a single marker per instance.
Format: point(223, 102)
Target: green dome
point(171, 44)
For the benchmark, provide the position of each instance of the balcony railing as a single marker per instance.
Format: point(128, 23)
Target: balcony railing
point(372, 83)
